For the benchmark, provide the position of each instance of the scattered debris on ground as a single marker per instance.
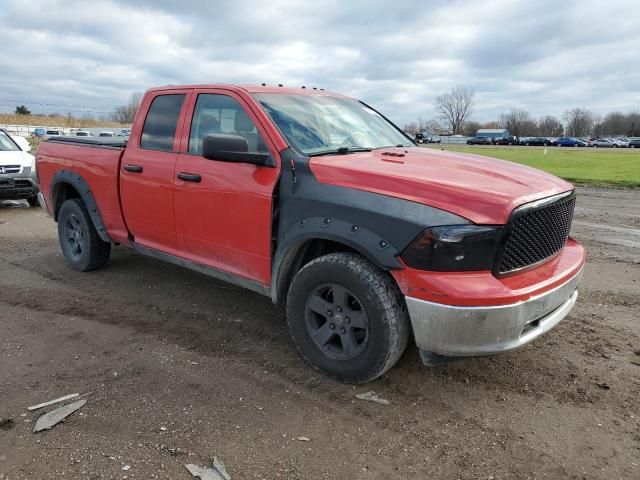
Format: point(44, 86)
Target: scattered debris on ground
point(373, 397)
point(54, 417)
point(53, 402)
point(304, 439)
point(6, 422)
point(217, 472)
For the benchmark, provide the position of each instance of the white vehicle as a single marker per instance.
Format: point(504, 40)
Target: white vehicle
point(22, 142)
point(17, 171)
point(106, 134)
point(53, 133)
point(622, 142)
point(83, 133)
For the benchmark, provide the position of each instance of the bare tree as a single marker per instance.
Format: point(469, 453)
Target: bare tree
point(515, 121)
point(550, 126)
point(411, 128)
point(578, 122)
point(469, 129)
point(454, 107)
point(126, 113)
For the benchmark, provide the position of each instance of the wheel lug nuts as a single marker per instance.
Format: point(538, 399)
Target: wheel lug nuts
point(343, 330)
point(329, 313)
point(347, 319)
point(332, 326)
point(339, 309)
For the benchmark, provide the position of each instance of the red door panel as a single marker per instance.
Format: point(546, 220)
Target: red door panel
point(146, 179)
point(147, 197)
point(224, 221)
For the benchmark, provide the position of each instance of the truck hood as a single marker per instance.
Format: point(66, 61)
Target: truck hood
point(482, 189)
point(17, 157)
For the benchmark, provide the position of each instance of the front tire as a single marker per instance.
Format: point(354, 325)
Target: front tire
point(82, 247)
point(347, 317)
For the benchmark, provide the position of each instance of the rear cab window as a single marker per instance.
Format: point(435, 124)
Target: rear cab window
point(159, 130)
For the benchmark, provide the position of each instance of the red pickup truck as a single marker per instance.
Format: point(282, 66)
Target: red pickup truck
point(318, 201)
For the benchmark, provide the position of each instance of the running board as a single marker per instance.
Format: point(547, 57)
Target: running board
point(205, 270)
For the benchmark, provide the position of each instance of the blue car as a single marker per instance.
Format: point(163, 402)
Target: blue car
point(570, 142)
point(40, 132)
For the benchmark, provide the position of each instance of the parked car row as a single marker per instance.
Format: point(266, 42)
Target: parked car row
point(56, 132)
point(599, 142)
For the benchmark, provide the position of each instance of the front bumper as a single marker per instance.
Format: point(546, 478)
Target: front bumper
point(462, 331)
point(17, 186)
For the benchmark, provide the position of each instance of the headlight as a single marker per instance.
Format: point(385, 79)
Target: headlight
point(33, 165)
point(454, 248)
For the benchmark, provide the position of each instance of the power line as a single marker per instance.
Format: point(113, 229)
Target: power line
point(51, 108)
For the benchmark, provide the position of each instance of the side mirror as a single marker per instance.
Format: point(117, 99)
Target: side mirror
point(225, 147)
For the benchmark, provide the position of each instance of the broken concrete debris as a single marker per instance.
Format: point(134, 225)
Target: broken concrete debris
point(373, 397)
point(304, 439)
point(217, 472)
point(52, 402)
point(48, 420)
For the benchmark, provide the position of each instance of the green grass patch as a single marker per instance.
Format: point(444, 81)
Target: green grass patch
point(617, 167)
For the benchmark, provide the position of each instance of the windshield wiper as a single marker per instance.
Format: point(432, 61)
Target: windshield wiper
point(341, 150)
point(399, 145)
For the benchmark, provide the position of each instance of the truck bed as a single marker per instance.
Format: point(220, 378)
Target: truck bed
point(90, 161)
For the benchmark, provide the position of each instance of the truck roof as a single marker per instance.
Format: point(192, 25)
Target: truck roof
point(252, 89)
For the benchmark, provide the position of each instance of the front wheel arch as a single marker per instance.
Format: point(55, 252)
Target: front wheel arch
point(290, 258)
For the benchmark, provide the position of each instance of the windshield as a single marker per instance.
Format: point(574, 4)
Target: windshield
point(319, 124)
point(7, 144)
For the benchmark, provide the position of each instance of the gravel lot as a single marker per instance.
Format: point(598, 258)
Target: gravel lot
point(182, 367)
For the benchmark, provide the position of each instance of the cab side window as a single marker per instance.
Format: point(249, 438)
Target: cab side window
point(216, 113)
point(160, 126)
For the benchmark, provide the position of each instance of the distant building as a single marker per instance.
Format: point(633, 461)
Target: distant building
point(493, 133)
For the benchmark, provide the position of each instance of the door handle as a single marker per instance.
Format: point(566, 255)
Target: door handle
point(133, 168)
point(189, 177)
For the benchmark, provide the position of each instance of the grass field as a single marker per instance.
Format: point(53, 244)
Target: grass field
point(618, 167)
point(55, 121)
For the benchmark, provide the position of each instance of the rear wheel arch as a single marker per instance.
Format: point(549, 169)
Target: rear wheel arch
point(66, 185)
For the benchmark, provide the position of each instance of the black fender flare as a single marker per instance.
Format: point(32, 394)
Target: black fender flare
point(366, 242)
point(62, 177)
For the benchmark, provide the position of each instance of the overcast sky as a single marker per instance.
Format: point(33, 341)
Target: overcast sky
point(544, 56)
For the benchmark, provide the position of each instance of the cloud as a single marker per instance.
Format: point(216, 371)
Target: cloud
point(545, 56)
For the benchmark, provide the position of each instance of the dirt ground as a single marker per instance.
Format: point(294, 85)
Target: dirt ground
point(181, 367)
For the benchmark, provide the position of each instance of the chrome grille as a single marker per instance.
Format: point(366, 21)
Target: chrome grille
point(9, 169)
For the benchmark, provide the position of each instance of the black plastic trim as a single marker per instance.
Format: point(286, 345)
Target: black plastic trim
point(99, 142)
point(82, 187)
point(377, 226)
point(517, 213)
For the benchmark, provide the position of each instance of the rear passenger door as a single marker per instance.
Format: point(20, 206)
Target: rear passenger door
point(223, 210)
point(147, 169)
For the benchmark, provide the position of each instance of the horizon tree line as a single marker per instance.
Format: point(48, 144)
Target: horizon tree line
point(455, 107)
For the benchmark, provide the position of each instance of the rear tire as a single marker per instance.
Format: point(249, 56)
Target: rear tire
point(82, 247)
point(323, 296)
